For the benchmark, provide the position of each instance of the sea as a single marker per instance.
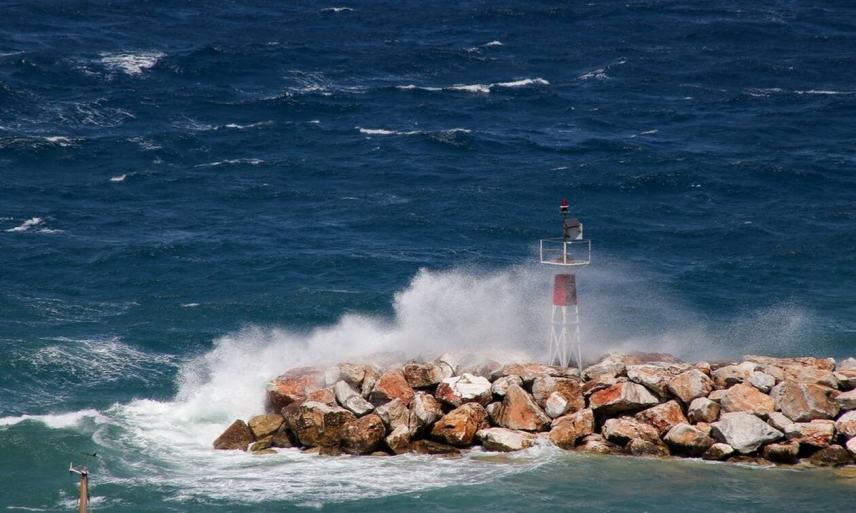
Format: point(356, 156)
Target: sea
point(196, 196)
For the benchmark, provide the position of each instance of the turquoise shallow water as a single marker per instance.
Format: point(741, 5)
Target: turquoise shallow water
point(194, 197)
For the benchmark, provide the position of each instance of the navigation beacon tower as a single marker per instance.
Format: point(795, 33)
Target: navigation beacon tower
point(571, 252)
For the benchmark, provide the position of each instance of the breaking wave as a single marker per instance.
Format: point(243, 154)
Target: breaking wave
point(131, 63)
point(479, 88)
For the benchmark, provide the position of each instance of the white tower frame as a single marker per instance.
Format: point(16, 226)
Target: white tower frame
point(564, 336)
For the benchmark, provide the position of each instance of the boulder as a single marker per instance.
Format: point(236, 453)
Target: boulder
point(394, 415)
point(391, 385)
point(238, 436)
point(803, 369)
point(802, 402)
point(613, 365)
point(762, 381)
point(350, 373)
point(363, 435)
point(832, 456)
point(846, 424)
point(801, 361)
point(448, 365)
point(398, 440)
point(529, 371)
point(687, 439)
point(293, 386)
point(570, 388)
point(423, 375)
point(623, 429)
point(640, 447)
point(266, 425)
point(372, 374)
point(283, 438)
point(424, 412)
point(704, 427)
point(433, 448)
point(656, 376)
point(556, 405)
point(261, 445)
point(851, 447)
point(847, 364)
point(322, 395)
point(746, 398)
point(779, 421)
point(493, 411)
point(817, 433)
point(500, 386)
point(595, 444)
point(663, 417)
point(718, 452)
point(730, 375)
point(716, 395)
point(601, 382)
point(317, 424)
point(688, 385)
point(519, 411)
point(622, 398)
point(505, 440)
point(846, 379)
point(702, 409)
point(467, 388)
point(787, 452)
point(459, 426)
point(744, 432)
point(351, 400)
point(846, 400)
point(565, 431)
point(704, 367)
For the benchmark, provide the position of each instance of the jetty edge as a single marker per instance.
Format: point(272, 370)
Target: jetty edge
point(760, 410)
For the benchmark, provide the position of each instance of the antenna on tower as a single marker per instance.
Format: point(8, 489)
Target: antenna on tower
point(572, 251)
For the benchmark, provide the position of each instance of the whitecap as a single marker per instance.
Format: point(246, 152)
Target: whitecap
point(26, 225)
point(384, 131)
point(649, 132)
point(823, 92)
point(119, 178)
point(190, 305)
point(479, 88)
point(411, 87)
point(597, 74)
point(227, 162)
point(471, 88)
point(59, 140)
point(523, 83)
point(131, 63)
point(57, 420)
point(336, 9)
point(236, 126)
point(493, 43)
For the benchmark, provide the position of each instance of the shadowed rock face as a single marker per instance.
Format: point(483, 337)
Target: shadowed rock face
point(363, 435)
point(565, 431)
point(236, 437)
point(687, 439)
point(459, 426)
point(318, 424)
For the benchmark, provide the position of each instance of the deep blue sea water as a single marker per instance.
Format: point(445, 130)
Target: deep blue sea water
point(195, 196)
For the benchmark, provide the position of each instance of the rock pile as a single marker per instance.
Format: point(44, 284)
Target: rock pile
point(762, 409)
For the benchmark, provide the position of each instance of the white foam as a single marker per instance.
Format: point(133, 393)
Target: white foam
point(131, 63)
point(649, 132)
point(336, 9)
point(119, 178)
point(26, 225)
point(190, 305)
point(823, 92)
point(471, 88)
point(236, 126)
point(523, 83)
point(384, 131)
point(493, 43)
point(59, 140)
point(57, 420)
point(479, 88)
point(596, 74)
point(230, 162)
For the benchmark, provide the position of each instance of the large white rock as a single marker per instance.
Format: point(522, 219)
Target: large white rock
point(762, 381)
point(351, 400)
point(505, 440)
point(656, 376)
point(846, 424)
point(744, 432)
point(500, 386)
point(467, 388)
point(703, 409)
point(612, 365)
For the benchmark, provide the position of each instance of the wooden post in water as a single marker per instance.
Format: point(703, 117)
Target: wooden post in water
point(83, 502)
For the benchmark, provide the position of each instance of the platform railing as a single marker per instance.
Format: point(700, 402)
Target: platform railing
point(565, 253)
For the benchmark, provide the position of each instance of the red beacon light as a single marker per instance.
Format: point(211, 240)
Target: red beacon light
point(564, 206)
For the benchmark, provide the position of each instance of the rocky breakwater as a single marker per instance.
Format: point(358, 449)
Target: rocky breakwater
point(758, 410)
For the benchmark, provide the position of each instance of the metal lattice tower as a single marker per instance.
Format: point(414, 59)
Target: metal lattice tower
point(572, 251)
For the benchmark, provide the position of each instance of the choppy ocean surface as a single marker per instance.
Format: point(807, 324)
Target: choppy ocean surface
point(195, 197)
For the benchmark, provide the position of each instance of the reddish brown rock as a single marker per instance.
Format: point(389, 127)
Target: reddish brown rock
point(322, 395)
point(646, 448)
point(423, 375)
point(433, 448)
point(818, 433)
point(787, 452)
point(688, 385)
point(565, 431)
point(832, 456)
point(663, 417)
point(237, 436)
point(317, 424)
point(424, 412)
point(500, 386)
point(846, 424)
point(623, 429)
point(688, 440)
point(363, 435)
point(568, 388)
point(846, 400)
point(802, 402)
point(622, 398)
point(266, 425)
point(801, 361)
point(459, 426)
point(391, 385)
point(703, 409)
point(293, 386)
point(519, 411)
point(747, 398)
point(656, 376)
point(529, 371)
point(601, 382)
point(399, 440)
